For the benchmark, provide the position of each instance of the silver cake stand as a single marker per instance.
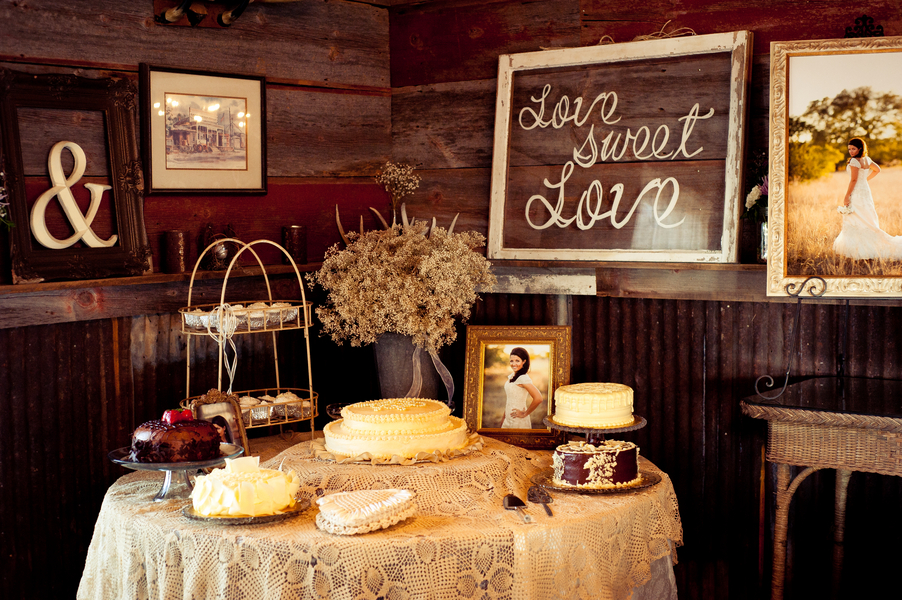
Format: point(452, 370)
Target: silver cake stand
point(120, 456)
point(596, 435)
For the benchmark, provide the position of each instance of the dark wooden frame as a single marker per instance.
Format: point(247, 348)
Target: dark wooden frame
point(193, 78)
point(117, 100)
point(478, 337)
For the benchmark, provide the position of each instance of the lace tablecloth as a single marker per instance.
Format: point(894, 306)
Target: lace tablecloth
point(461, 543)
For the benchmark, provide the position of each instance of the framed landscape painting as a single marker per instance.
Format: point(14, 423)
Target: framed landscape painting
point(835, 211)
point(203, 132)
point(511, 375)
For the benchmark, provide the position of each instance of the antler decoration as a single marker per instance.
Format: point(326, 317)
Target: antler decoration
point(405, 222)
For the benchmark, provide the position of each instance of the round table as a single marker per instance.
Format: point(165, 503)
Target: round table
point(460, 544)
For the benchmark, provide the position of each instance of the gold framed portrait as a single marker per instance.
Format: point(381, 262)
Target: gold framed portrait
point(511, 375)
point(830, 215)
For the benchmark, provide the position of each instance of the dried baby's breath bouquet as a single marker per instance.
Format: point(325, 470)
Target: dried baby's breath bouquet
point(404, 279)
point(398, 180)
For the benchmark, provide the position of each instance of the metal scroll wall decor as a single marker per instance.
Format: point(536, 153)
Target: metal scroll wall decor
point(815, 287)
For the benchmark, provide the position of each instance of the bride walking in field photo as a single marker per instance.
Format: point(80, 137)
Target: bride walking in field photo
point(861, 236)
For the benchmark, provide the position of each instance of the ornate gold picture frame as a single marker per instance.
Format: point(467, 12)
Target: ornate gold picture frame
point(491, 397)
point(224, 413)
point(822, 94)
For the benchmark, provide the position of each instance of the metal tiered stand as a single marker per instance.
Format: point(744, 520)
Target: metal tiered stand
point(595, 436)
point(221, 321)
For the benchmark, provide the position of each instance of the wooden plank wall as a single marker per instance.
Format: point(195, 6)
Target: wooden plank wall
point(328, 103)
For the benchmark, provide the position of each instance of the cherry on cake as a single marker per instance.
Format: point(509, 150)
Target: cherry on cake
point(609, 464)
point(595, 405)
point(397, 426)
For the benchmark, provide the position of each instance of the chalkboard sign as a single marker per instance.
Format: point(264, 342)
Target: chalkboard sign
point(623, 152)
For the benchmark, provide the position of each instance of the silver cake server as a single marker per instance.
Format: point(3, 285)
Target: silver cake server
point(512, 502)
point(538, 495)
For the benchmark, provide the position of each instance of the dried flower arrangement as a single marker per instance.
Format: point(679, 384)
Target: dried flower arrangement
point(405, 279)
point(398, 180)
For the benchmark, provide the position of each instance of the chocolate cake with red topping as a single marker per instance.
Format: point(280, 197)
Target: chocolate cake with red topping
point(181, 441)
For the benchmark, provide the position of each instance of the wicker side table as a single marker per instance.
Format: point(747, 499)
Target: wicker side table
point(819, 439)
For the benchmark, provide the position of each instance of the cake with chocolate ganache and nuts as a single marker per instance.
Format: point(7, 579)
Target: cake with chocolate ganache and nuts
point(609, 464)
point(395, 426)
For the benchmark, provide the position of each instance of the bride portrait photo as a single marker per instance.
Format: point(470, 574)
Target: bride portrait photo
point(843, 202)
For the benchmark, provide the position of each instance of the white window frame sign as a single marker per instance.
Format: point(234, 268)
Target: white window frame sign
point(656, 165)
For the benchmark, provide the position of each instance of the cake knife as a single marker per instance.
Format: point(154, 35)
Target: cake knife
point(512, 502)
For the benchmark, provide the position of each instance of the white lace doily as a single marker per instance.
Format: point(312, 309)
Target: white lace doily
point(474, 443)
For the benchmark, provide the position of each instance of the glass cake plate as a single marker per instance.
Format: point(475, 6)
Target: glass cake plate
point(545, 479)
point(301, 505)
point(120, 456)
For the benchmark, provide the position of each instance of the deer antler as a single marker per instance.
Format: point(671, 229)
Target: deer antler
point(341, 231)
point(404, 220)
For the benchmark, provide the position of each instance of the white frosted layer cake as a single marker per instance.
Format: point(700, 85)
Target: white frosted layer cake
point(243, 489)
point(593, 405)
point(395, 426)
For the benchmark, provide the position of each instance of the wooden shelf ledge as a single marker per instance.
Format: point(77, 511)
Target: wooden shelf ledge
point(72, 301)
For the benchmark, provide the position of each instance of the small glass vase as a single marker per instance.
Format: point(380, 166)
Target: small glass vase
point(762, 242)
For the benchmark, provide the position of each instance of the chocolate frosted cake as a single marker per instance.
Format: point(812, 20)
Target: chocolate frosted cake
point(607, 465)
point(183, 441)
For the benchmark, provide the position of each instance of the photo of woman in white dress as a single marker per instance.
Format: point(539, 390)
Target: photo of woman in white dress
point(861, 236)
point(523, 397)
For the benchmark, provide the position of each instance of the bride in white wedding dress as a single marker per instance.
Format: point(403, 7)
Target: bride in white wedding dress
point(861, 236)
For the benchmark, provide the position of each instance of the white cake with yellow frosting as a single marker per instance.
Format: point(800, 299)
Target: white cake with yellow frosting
point(398, 426)
point(593, 405)
point(243, 489)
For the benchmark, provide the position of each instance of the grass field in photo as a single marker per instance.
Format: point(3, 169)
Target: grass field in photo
point(812, 224)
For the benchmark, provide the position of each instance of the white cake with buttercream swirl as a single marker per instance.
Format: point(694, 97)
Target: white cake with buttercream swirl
point(243, 489)
point(593, 405)
point(396, 426)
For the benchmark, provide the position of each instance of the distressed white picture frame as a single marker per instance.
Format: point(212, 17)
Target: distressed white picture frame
point(738, 44)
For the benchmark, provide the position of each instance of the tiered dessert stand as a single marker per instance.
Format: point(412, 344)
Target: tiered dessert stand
point(222, 321)
point(595, 436)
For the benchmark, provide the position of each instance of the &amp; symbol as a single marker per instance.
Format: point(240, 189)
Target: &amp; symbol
point(81, 223)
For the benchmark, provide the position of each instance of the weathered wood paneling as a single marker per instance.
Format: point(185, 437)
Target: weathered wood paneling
point(445, 125)
point(770, 20)
point(460, 41)
point(329, 43)
point(445, 193)
point(322, 133)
